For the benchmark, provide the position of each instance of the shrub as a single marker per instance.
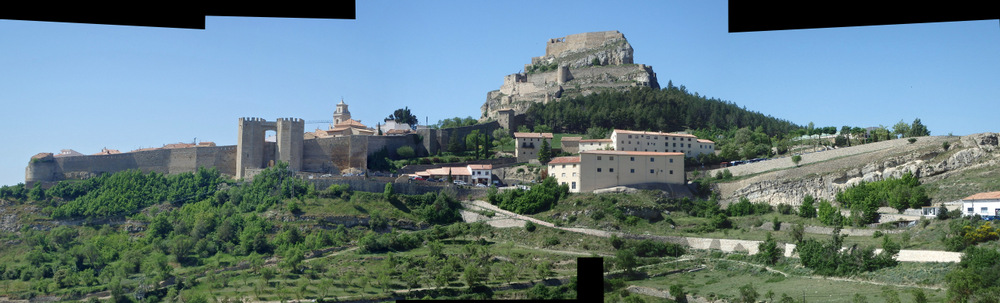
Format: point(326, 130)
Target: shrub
point(405, 152)
point(807, 209)
point(529, 226)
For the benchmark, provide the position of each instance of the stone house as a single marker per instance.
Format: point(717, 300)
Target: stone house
point(527, 145)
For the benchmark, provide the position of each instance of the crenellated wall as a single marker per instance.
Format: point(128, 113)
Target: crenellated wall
point(166, 161)
point(319, 155)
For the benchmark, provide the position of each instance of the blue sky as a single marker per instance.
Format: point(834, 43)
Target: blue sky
point(84, 86)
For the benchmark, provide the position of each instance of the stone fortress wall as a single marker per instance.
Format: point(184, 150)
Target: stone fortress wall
point(165, 161)
point(320, 155)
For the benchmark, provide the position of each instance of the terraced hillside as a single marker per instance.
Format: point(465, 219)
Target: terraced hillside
point(963, 169)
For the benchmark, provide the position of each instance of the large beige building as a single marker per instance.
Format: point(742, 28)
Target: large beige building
point(527, 145)
point(689, 145)
point(597, 169)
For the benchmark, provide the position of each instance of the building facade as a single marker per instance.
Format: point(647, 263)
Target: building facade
point(983, 204)
point(597, 169)
point(689, 145)
point(527, 145)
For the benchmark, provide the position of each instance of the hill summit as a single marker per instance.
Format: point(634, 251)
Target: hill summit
point(575, 65)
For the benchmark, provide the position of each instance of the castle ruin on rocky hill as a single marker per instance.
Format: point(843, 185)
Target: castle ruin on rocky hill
point(574, 65)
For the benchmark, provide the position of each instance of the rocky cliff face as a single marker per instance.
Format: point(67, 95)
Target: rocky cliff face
point(574, 65)
point(929, 162)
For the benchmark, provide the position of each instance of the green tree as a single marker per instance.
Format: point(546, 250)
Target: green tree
point(403, 115)
point(768, 251)
point(901, 130)
point(545, 153)
point(807, 209)
point(796, 159)
point(918, 129)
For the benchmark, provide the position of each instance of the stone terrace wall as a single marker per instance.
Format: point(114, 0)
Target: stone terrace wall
point(374, 186)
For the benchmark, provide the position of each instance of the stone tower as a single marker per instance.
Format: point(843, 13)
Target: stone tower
point(341, 114)
point(250, 151)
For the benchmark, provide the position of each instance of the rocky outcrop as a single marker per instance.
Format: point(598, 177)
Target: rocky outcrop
point(971, 151)
point(574, 65)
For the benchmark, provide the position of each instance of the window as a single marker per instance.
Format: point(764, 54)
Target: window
point(630, 136)
point(689, 145)
point(573, 185)
point(563, 174)
point(651, 159)
point(553, 174)
point(574, 165)
point(598, 157)
point(631, 159)
point(574, 174)
point(671, 160)
point(983, 210)
point(598, 169)
point(611, 170)
point(611, 157)
point(651, 171)
point(969, 210)
point(675, 144)
point(671, 172)
point(632, 170)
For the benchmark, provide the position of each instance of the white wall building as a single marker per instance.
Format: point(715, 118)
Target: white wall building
point(597, 169)
point(689, 145)
point(983, 204)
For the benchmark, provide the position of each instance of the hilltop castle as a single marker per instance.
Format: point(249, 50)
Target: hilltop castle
point(347, 144)
point(575, 65)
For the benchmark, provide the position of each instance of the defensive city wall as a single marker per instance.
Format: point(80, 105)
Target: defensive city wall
point(252, 153)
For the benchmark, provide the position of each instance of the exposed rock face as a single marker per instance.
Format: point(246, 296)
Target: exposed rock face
point(972, 151)
point(578, 64)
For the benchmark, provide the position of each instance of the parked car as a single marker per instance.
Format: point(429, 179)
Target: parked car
point(460, 182)
point(480, 185)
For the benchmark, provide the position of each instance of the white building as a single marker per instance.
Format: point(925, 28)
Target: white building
point(391, 124)
point(983, 204)
point(472, 173)
point(597, 169)
point(689, 145)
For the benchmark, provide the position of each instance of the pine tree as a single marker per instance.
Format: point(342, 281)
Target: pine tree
point(545, 153)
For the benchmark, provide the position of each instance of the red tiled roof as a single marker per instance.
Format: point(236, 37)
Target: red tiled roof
point(572, 138)
point(561, 160)
point(350, 123)
point(533, 135)
point(705, 141)
point(993, 195)
point(480, 166)
point(595, 140)
point(630, 153)
point(443, 171)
